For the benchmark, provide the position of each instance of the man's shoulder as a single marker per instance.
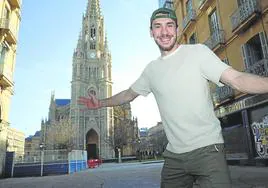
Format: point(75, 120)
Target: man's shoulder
point(194, 46)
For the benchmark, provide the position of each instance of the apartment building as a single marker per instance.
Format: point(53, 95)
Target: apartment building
point(236, 31)
point(10, 17)
point(15, 143)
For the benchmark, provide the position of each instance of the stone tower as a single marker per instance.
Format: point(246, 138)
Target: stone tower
point(92, 74)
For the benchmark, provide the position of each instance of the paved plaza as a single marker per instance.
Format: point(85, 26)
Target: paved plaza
point(130, 175)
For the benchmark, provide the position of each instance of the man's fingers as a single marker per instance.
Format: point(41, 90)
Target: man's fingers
point(83, 100)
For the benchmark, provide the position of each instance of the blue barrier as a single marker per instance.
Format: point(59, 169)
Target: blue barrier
point(77, 165)
point(22, 169)
point(59, 167)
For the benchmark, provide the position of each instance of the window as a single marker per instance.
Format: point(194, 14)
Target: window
point(3, 52)
point(93, 32)
point(189, 7)
point(168, 4)
point(255, 49)
point(92, 46)
point(192, 39)
point(214, 23)
point(92, 91)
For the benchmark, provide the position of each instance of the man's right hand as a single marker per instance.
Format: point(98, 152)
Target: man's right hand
point(91, 102)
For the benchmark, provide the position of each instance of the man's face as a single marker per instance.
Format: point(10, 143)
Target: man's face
point(164, 32)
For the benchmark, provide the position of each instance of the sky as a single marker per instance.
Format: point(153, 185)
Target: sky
point(48, 35)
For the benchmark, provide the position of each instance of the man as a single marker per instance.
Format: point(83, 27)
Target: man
point(179, 81)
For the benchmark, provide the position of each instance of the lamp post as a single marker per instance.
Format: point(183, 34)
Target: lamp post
point(119, 155)
point(139, 149)
point(41, 146)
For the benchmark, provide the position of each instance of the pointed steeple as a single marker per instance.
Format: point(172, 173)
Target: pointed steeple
point(93, 8)
point(42, 121)
point(51, 113)
point(106, 47)
point(78, 52)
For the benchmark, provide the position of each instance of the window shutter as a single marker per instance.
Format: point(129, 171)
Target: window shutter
point(264, 44)
point(245, 56)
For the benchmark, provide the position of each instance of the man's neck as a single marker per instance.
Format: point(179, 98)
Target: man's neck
point(165, 53)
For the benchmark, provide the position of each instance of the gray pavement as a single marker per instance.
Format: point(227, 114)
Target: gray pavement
point(130, 175)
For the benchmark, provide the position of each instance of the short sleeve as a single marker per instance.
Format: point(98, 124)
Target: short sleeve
point(211, 65)
point(142, 84)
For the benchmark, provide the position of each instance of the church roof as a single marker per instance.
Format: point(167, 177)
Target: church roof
point(37, 133)
point(62, 102)
point(29, 138)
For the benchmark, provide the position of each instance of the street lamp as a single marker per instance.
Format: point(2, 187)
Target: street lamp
point(42, 146)
point(139, 149)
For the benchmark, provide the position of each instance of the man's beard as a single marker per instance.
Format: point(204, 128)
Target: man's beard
point(168, 48)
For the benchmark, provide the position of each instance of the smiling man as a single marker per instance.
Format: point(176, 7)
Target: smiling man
point(178, 80)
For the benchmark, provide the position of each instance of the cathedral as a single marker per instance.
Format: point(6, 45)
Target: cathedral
point(91, 73)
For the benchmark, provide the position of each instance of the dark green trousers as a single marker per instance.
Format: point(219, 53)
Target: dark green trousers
point(206, 167)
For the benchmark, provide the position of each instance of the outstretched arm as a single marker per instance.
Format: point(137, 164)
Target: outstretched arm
point(92, 102)
point(120, 98)
point(245, 82)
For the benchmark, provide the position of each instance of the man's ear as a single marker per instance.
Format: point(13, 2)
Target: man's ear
point(151, 32)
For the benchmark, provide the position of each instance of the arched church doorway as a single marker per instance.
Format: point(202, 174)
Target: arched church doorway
point(92, 139)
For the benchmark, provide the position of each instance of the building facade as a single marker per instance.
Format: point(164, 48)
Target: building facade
point(165, 3)
point(92, 74)
point(237, 33)
point(32, 148)
point(58, 116)
point(15, 143)
point(10, 17)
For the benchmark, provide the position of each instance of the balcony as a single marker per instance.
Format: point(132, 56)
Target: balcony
point(223, 93)
point(15, 3)
point(168, 4)
point(215, 40)
point(204, 4)
point(247, 13)
point(190, 17)
point(7, 28)
point(259, 68)
point(6, 76)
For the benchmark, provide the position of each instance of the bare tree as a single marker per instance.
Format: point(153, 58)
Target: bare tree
point(61, 134)
point(159, 141)
point(123, 133)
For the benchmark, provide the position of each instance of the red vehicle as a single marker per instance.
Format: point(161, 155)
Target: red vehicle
point(92, 163)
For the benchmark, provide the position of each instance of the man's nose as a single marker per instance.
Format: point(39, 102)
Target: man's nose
point(164, 30)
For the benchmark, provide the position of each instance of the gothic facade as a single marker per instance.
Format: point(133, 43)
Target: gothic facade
point(94, 129)
point(92, 74)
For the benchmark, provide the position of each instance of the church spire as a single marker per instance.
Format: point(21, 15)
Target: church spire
point(106, 47)
point(93, 8)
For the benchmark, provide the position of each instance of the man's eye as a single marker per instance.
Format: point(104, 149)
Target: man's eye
point(156, 26)
point(171, 25)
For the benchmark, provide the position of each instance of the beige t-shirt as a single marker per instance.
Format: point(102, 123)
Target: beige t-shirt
point(179, 82)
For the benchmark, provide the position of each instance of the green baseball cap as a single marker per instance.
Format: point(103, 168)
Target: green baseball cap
point(164, 13)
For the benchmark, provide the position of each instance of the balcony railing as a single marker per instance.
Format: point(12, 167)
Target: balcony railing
point(244, 12)
point(189, 17)
point(215, 39)
point(259, 68)
point(6, 25)
point(223, 93)
point(6, 78)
